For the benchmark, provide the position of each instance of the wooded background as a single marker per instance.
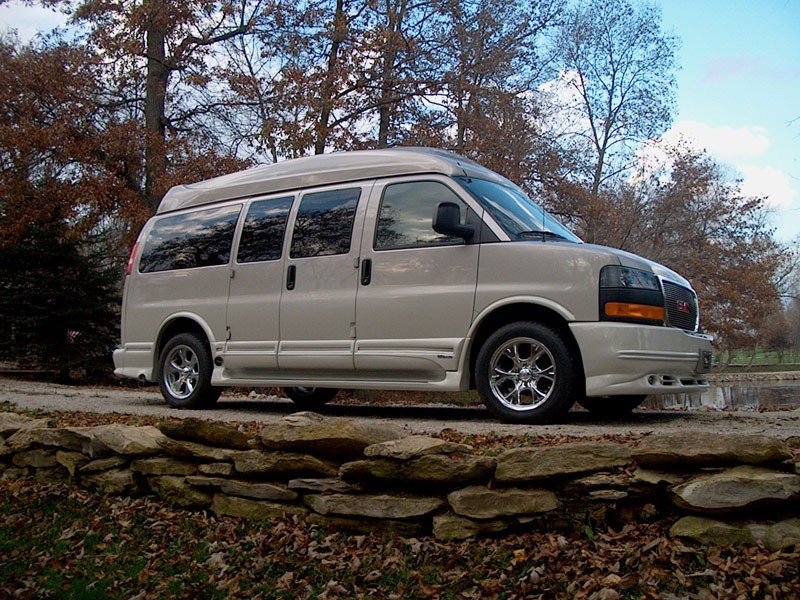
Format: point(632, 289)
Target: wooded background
point(567, 99)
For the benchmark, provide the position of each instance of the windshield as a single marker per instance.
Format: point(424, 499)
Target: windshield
point(519, 216)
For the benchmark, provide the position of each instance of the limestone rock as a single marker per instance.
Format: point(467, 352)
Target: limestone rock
point(206, 432)
point(687, 450)
point(16, 473)
point(433, 468)
point(598, 481)
point(234, 506)
point(184, 449)
point(479, 502)
point(607, 495)
point(63, 438)
point(162, 465)
point(246, 489)
point(326, 436)
point(376, 506)
point(223, 469)
point(128, 440)
point(710, 531)
point(281, 463)
point(10, 423)
point(177, 490)
point(413, 446)
point(321, 486)
point(739, 488)
point(450, 527)
point(71, 461)
point(368, 526)
point(103, 464)
point(119, 482)
point(49, 475)
point(38, 459)
point(655, 477)
point(532, 464)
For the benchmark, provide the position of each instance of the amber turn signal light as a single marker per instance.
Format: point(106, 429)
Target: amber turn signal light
point(627, 310)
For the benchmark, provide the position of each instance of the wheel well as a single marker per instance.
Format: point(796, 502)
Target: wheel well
point(175, 327)
point(513, 313)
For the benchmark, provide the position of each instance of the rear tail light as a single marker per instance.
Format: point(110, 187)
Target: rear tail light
point(129, 269)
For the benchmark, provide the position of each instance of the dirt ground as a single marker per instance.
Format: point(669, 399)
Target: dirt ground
point(431, 418)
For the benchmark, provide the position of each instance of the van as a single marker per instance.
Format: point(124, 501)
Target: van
point(402, 269)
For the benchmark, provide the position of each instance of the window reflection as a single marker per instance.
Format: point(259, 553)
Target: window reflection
point(324, 223)
point(197, 239)
point(263, 231)
point(405, 217)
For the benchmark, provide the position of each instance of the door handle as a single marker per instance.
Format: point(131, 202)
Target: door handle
point(291, 276)
point(366, 271)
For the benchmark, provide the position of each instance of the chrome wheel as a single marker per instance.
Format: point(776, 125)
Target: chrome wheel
point(522, 374)
point(525, 372)
point(182, 371)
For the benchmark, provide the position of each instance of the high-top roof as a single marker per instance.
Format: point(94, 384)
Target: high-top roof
point(323, 169)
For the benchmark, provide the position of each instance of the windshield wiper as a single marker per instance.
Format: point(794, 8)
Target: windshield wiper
point(544, 235)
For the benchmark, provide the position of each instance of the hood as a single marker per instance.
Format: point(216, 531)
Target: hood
point(628, 259)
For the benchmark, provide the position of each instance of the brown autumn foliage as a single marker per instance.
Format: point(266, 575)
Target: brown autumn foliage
point(64, 157)
point(691, 216)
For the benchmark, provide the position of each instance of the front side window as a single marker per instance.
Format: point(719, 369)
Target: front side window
point(324, 223)
point(405, 217)
point(263, 231)
point(520, 217)
point(198, 239)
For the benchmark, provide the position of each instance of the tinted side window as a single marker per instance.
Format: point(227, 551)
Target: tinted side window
point(324, 223)
point(405, 217)
point(197, 239)
point(262, 235)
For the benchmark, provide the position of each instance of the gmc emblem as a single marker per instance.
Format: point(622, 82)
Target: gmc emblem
point(683, 306)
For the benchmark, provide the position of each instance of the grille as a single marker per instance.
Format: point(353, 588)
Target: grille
point(681, 305)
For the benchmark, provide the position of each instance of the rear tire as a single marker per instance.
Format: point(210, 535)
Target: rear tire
point(525, 373)
point(611, 406)
point(184, 373)
point(309, 398)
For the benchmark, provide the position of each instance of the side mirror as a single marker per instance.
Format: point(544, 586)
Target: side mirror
point(447, 221)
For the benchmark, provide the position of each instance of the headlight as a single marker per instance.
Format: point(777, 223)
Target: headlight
point(614, 276)
point(631, 296)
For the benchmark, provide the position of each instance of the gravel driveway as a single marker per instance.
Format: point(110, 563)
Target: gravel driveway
point(417, 419)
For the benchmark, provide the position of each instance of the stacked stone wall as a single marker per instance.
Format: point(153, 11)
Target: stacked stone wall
point(369, 477)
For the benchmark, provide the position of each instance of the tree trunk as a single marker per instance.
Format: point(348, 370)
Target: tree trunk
point(155, 105)
point(326, 93)
point(394, 20)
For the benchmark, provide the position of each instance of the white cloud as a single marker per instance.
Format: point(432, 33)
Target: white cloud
point(728, 143)
point(27, 21)
point(770, 182)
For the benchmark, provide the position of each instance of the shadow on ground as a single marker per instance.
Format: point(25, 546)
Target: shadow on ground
point(439, 412)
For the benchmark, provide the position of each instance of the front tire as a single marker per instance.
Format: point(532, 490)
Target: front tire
point(525, 373)
point(309, 398)
point(184, 373)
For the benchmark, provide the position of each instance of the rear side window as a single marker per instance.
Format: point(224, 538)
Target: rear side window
point(324, 223)
point(264, 228)
point(197, 239)
point(405, 217)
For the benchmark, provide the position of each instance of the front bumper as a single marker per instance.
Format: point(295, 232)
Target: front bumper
point(621, 358)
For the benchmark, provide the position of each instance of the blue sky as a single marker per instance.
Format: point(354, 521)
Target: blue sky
point(739, 93)
point(738, 89)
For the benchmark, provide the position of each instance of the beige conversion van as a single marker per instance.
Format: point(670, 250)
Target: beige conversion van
point(405, 269)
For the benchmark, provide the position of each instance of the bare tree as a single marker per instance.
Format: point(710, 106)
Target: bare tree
point(620, 65)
